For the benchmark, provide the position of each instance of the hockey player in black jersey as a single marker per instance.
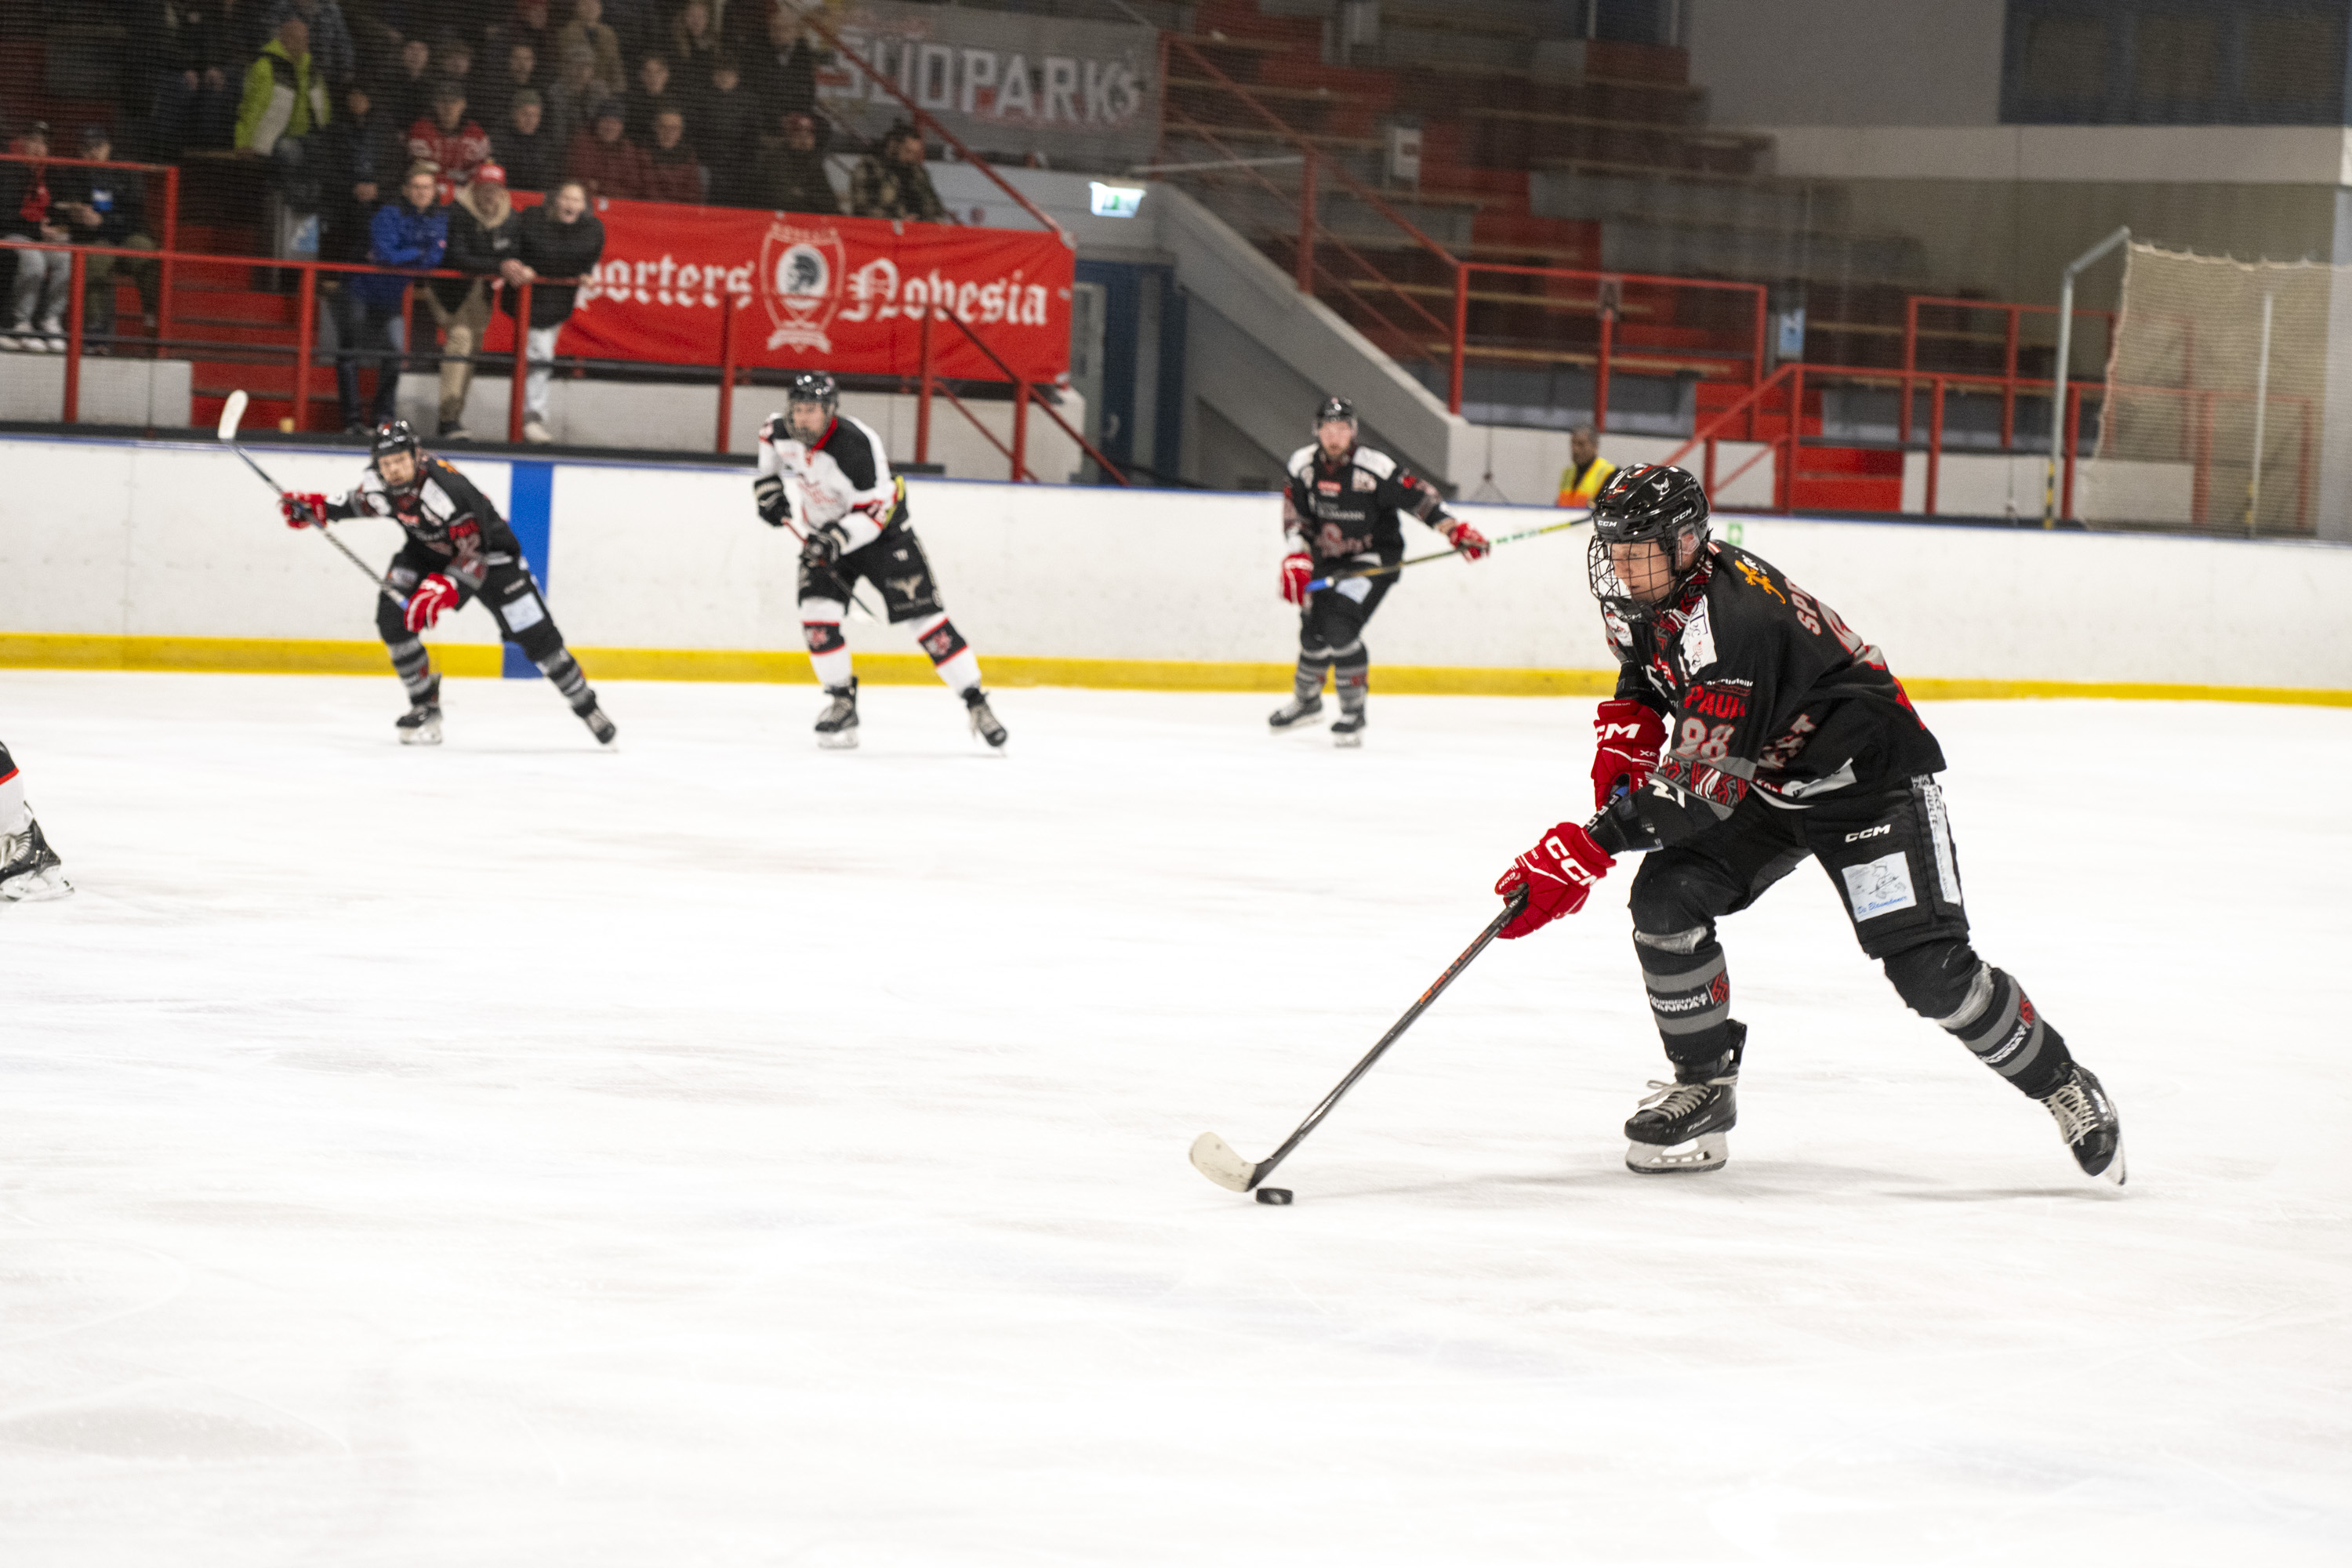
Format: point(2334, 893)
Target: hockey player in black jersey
point(1342, 510)
point(853, 524)
point(459, 549)
point(29, 870)
point(1783, 736)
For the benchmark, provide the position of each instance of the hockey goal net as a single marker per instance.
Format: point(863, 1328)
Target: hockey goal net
point(2216, 384)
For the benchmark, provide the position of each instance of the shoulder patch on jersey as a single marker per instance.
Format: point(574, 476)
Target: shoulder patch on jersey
point(1758, 577)
point(768, 428)
point(1380, 463)
point(439, 500)
point(1300, 460)
point(1698, 641)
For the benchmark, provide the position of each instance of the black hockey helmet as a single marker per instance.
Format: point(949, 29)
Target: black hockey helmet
point(1648, 504)
point(395, 436)
point(812, 386)
point(1334, 407)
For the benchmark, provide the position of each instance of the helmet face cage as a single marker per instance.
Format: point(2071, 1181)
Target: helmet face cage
point(394, 436)
point(1652, 505)
point(816, 389)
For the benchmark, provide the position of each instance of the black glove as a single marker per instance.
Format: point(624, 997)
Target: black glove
point(823, 546)
point(775, 510)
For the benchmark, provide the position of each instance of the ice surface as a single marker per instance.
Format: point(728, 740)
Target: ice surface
point(727, 1152)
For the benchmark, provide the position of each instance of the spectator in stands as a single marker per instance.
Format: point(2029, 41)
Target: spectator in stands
point(104, 207)
point(28, 216)
point(791, 174)
point(282, 96)
point(785, 76)
point(587, 28)
point(1587, 470)
point(528, 25)
point(693, 41)
point(411, 232)
point(609, 164)
point(653, 93)
point(453, 61)
point(448, 139)
point(528, 150)
point(330, 39)
point(494, 98)
point(892, 182)
point(195, 105)
point(725, 122)
point(407, 93)
point(673, 172)
point(485, 233)
point(357, 152)
point(561, 239)
point(572, 102)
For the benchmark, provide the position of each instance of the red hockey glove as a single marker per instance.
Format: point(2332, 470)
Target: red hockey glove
point(1467, 539)
point(1626, 737)
point(433, 596)
point(1559, 875)
point(303, 509)
point(1297, 570)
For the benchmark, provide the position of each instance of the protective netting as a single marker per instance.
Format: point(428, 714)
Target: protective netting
point(2195, 381)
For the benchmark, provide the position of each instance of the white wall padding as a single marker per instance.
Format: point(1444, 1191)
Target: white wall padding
point(159, 539)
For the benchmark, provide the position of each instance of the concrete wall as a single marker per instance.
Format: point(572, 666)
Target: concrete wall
point(1847, 62)
point(113, 540)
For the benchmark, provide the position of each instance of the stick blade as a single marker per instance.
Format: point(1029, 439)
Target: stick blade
point(232, 414)
point(1215, 1158)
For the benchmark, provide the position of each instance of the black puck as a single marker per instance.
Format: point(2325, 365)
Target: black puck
point(1277, 1196)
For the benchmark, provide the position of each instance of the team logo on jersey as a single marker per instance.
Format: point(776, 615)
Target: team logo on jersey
point(801, 273)
point(1361, 481)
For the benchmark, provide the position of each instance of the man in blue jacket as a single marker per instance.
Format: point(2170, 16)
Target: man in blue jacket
point(411, 232)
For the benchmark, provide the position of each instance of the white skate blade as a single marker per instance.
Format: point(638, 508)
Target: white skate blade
point(1215, 1158)
point(2114, 1172)
point(838, 741)
point(1348, 738)
point(427, 734)
point(35, 886)
point(1707, 1151)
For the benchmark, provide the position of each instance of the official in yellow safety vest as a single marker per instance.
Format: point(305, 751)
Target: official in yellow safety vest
point(1587, 470)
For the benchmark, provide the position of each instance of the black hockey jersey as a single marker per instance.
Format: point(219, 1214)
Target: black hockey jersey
point(444, 513)
point(1763, 688)
point(1354, 507)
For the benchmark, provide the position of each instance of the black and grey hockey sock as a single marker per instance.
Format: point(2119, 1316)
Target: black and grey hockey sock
point(1352, 676)
point(1690, 995)
point(414, 667)
point(2000, 1026)
point(560, 668)
point(1308, 681)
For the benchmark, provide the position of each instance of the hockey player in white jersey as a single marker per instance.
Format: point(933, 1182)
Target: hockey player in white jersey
point(853, 524)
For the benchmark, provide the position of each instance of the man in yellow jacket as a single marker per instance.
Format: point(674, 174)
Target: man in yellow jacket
point(1587, 470)
point(281, 96)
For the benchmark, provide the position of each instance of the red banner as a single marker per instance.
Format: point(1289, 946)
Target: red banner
point(841, 294)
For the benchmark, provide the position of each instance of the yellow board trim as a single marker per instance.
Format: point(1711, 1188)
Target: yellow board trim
point(267, 655)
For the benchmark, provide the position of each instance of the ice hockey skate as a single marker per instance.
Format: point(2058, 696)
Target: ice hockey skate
point(2087, 1120)
point(30, 871)
point(984, 722)
point(1680, 1126)
point(421, 725)
point(1349, 729)
point(1296, 713)
point(836, 726)
point(591, 715)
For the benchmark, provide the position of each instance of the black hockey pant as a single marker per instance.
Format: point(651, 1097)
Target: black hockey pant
point(513, 598)
point(1331, 634)
point(1891, 860)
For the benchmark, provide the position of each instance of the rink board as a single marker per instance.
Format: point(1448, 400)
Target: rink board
point(170, 556)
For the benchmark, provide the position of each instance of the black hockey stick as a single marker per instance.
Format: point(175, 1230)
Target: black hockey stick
point(232, 412)
point(1319, 584)
point(1215, 1158)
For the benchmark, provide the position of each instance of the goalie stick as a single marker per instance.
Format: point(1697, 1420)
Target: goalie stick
point(1319, 584)
point(1215, 1158)
point(232, 412)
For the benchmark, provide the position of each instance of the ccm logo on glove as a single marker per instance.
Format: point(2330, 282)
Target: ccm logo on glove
point(1557, 876)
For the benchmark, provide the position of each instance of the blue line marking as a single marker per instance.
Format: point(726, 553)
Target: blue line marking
point(530, 513)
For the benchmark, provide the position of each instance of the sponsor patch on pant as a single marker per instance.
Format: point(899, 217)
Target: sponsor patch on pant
point(1879, 887)
point(522, 615)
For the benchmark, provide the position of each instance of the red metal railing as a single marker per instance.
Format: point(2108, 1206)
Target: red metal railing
point(2007, 380)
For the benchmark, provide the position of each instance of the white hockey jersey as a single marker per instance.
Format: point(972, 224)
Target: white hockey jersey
point(842, 477)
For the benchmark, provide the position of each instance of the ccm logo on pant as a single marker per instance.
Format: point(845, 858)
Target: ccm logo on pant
point(1884, 827)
